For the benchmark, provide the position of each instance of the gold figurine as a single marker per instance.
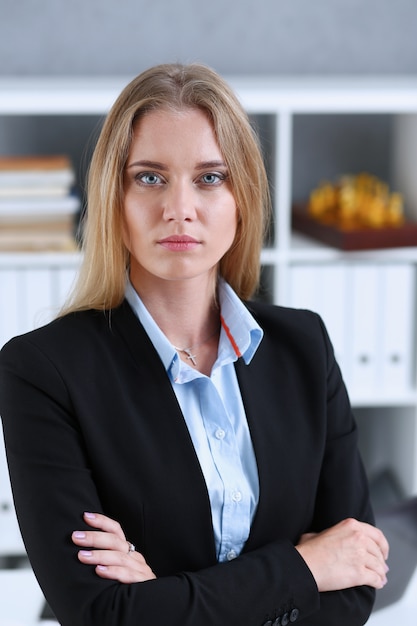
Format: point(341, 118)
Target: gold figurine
point(357, 202)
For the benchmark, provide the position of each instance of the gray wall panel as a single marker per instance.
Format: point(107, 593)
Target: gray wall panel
point(236, 37)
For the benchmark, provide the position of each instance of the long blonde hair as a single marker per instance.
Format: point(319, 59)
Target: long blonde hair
point(102, 276)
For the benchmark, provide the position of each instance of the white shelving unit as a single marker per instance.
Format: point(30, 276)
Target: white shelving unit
point(387, 414)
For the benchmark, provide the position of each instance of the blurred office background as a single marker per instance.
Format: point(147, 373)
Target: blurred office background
point(240, 37)
point(290, 38)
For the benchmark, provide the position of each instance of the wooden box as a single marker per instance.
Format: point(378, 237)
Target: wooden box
point(353, 239)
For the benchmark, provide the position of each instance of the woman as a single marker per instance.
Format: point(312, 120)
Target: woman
point(163, 412)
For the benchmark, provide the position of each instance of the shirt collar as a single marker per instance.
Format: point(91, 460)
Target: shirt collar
point(242, 331)
point(240, 334)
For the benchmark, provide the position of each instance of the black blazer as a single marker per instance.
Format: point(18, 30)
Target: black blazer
point(91, 423)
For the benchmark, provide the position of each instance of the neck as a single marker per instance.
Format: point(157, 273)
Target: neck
point(185, 311)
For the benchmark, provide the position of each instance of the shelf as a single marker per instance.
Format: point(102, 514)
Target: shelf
point(39, 259)
point(318, 94)
point(262, 94)
point(406, 399)
point(58, 96)
point(283, 101)
point(306, 249)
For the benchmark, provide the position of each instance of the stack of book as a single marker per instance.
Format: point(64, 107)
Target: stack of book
point(37, 207)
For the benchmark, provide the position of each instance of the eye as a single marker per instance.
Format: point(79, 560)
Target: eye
point(148, 178)
point(213, 178)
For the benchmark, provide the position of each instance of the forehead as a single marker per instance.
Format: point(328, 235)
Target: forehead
point(173, 113)
point(162, 126)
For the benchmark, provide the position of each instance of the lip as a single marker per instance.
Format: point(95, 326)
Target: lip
point(179, 243)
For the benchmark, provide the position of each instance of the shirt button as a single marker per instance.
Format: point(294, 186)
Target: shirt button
point(220, 433)
point(231, 555)
point(236, 496)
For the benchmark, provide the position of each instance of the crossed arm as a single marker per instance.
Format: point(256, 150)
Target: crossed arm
point(50, 461)
point(349, 554)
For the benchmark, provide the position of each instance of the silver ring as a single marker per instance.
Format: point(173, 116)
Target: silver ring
point(131, 547)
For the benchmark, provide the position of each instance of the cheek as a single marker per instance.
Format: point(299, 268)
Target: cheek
point(233, 219)
point(225, 210)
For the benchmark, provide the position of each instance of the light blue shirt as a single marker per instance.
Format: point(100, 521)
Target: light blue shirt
point(214, 413)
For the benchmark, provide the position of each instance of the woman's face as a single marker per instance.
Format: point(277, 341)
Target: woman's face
point(180, 214)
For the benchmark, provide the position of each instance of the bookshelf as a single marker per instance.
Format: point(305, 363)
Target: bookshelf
point(283, 109)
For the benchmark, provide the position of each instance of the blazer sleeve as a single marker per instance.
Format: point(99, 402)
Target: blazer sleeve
point(313, 464)
point(344, 484)
point(53, 484)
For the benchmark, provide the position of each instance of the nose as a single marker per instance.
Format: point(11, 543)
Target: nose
point(179, 202)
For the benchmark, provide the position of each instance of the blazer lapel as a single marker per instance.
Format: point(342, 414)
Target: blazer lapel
point(261, 406)
point(192, 512)
point(267, 388)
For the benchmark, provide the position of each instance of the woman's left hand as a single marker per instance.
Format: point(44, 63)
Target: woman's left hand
point(106, 547)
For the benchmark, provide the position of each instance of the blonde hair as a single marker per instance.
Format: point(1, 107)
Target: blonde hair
point(102, 276)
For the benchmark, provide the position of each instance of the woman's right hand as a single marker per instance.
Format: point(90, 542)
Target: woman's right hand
point(106, 547)
point(349, 554)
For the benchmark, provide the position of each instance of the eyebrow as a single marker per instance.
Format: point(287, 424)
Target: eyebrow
point(160, 166)
point(209, 164)
point(153, 165)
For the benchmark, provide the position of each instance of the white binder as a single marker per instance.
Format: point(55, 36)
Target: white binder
point(364, 327)
point(397, 314)
point(322, 288)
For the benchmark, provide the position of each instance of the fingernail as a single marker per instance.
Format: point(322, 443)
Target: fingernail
point(386, 568)
point(86, 552)
point(79, 534)
point(103, 568)
point(89, 515)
